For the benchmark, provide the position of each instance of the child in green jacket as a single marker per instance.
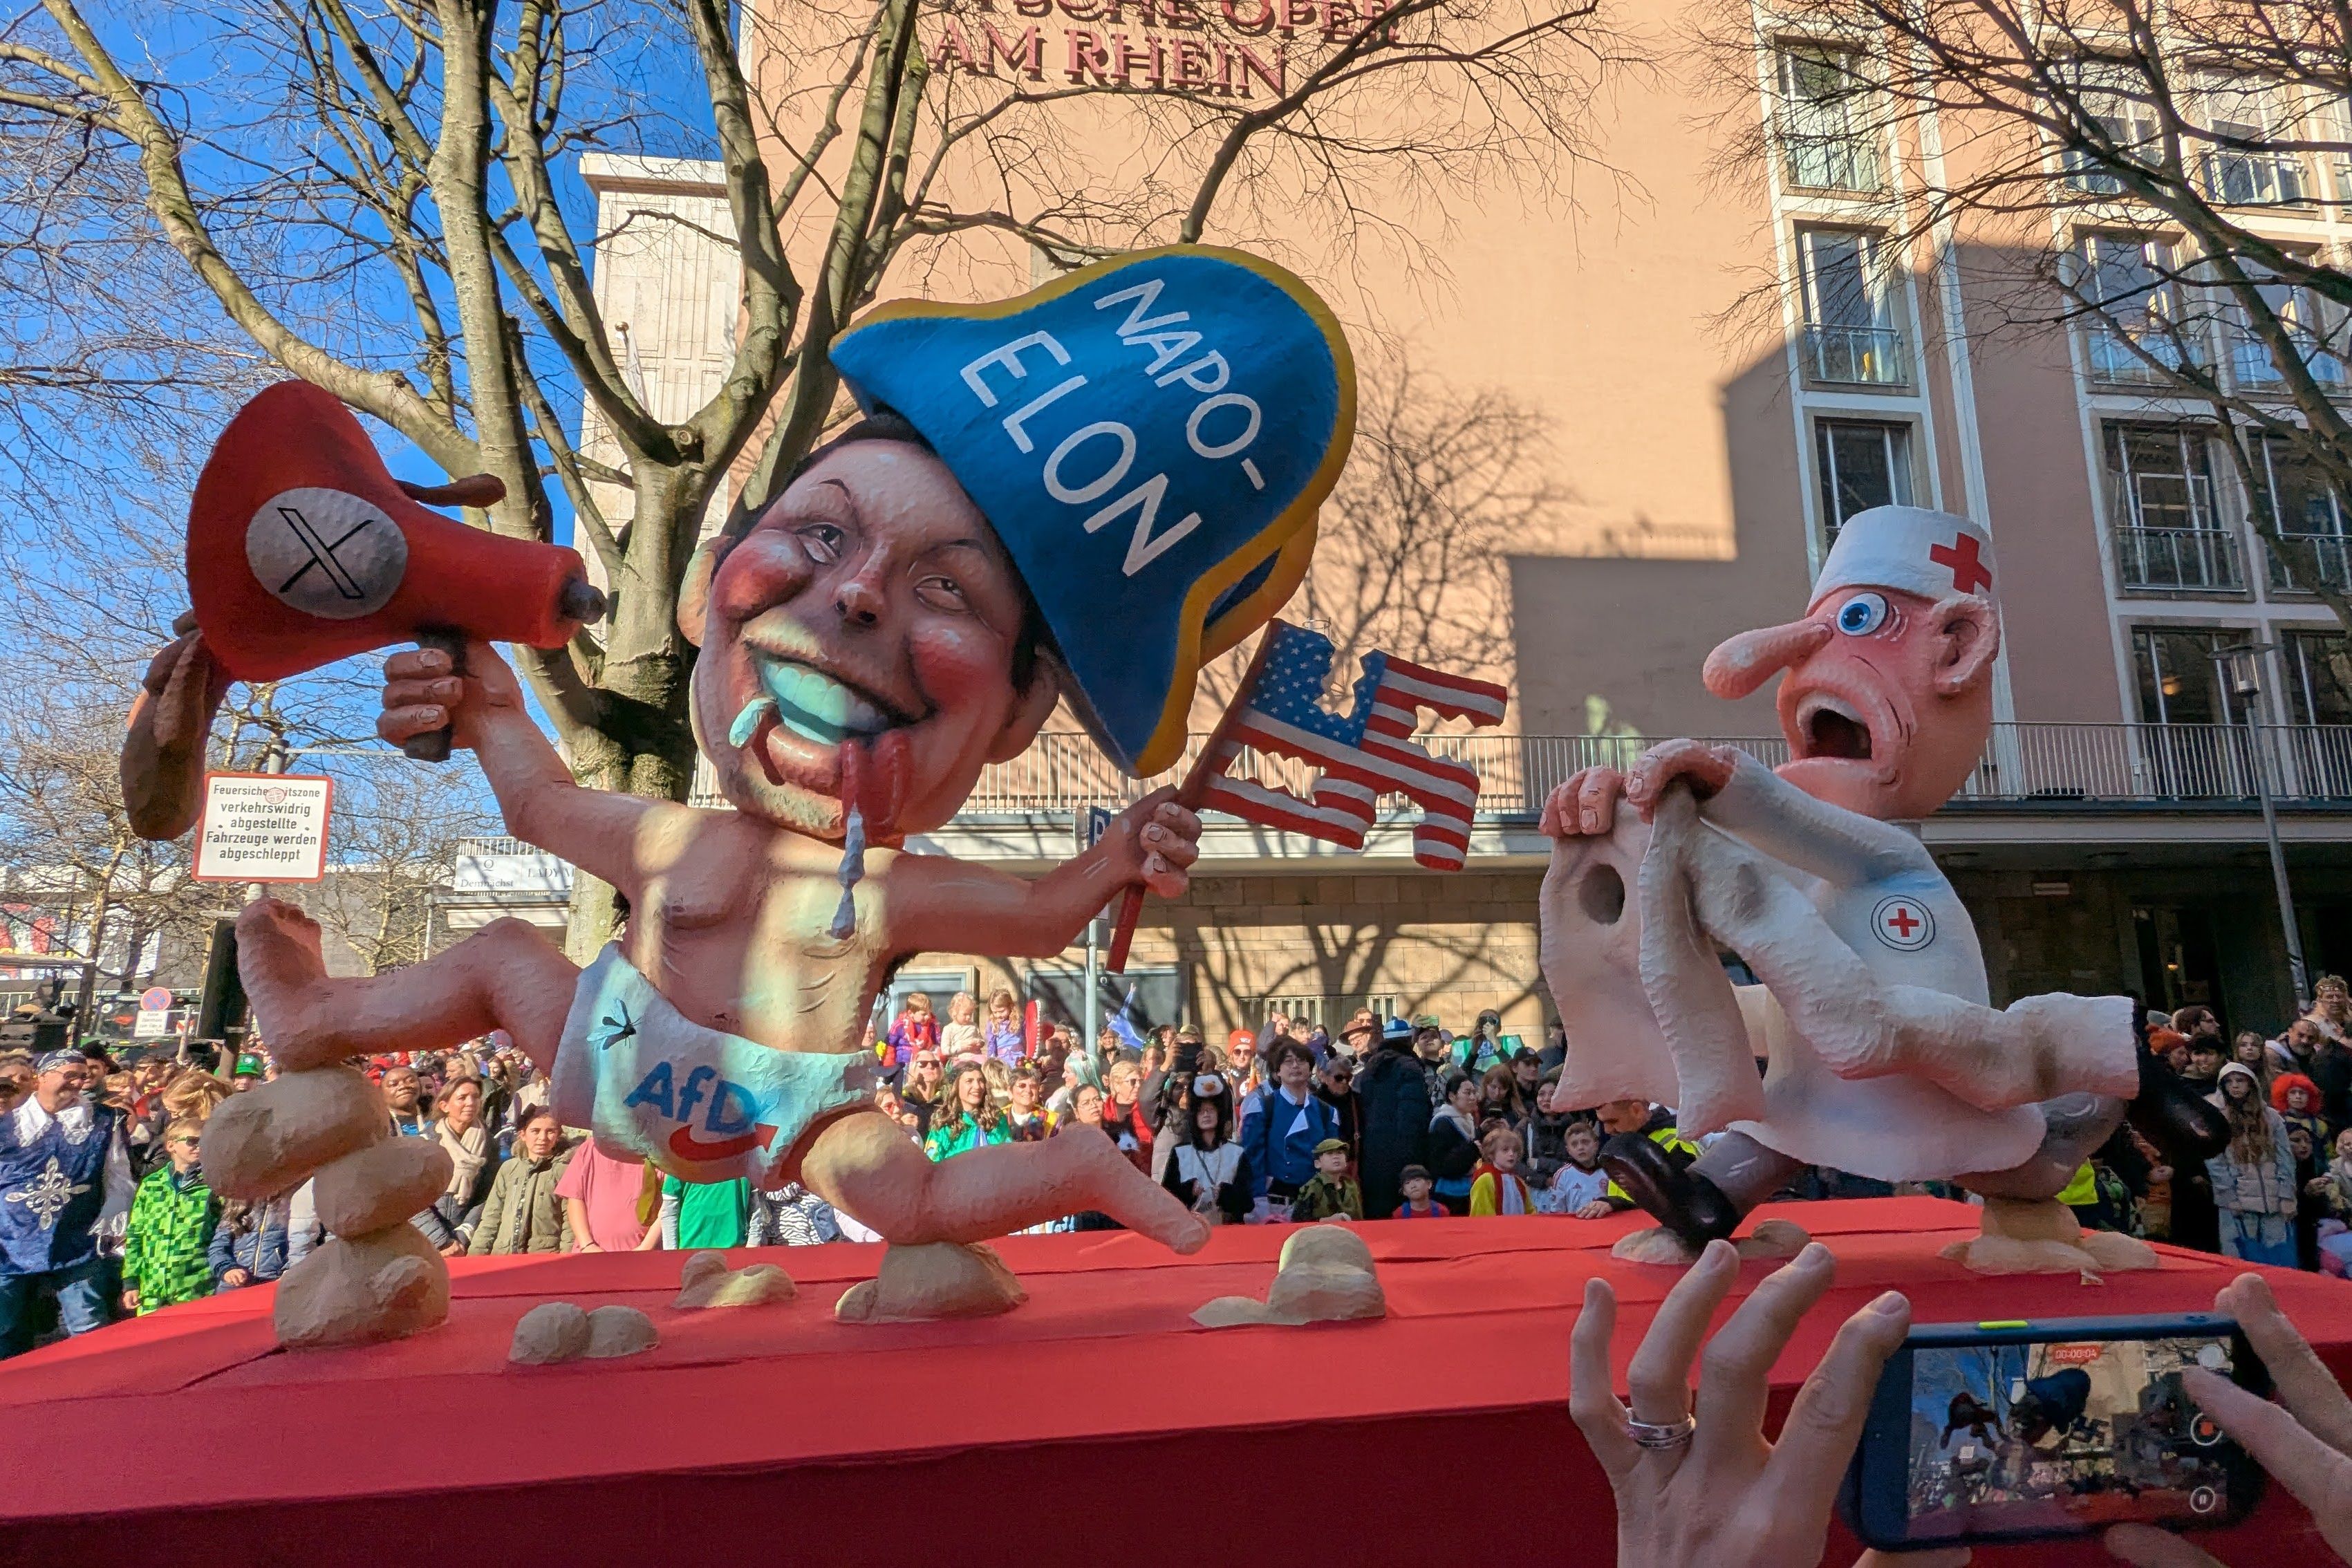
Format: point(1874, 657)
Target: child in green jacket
point(168, 1236)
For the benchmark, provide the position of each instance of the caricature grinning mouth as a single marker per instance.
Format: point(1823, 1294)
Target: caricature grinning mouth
point(1829, 729)
point(813, 705)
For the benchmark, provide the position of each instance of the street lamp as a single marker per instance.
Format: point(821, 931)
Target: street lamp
point(2239, 669)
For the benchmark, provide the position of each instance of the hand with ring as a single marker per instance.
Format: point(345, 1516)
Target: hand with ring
point(1702, 1486)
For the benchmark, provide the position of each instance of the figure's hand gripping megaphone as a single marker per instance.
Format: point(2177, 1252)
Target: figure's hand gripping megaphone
point(303, 549)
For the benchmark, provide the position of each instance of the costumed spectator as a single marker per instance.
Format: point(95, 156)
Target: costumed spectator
point(2331, 1009)
point(1282, 1124)
point(2297, 1099)
point(912, 1032)
point(609, 1203)
point(1123, 1113)
point(698, 1215)
point(1579, 1186)
point(1632, 1118)
point(522, 1213)
point(1415, 1184)
point(1453, 1142)
point(922, 1085)
point(2334, 1191)
point(1024, 1116)
point(449, 1221)
point(792, 1216)
point(249, 1245)
point(64, 1176)
point(1204, 1163)
point(1335, 1085)
point(1392, 1116)
point(404, 1096)
point(2253, 1179)
point(167, 1243)
point(1495, 1185)
point(960, 1037)
point(968, 1117)
point(1001, 1036)
point(1329, 1193)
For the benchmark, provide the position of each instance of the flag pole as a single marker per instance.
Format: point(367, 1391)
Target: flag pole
point(1206, 769)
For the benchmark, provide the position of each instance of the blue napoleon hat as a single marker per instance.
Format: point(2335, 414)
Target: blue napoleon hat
point(1151, 437)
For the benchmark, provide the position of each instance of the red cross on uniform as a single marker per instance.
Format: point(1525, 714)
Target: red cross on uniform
point(1966, 558)
point(1903, 924)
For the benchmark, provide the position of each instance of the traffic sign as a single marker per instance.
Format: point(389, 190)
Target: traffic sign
point(263, 827)
point(156, 999)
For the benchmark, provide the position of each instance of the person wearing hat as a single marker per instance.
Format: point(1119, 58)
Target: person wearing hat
point(1329, 1193)
point(1203, 1164)
point(1393, 1104)
point(64, 1176)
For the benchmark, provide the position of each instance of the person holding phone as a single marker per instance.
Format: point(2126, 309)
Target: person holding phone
point(1696, 1483)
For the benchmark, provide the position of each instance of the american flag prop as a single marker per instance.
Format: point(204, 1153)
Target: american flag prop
point(1364, 752)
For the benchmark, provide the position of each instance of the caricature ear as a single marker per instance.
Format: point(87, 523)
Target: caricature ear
point(1970, 629)
point(693, 592)
point(1031, 709)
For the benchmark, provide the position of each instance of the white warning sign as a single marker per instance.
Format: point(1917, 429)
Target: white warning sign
point(263, 828)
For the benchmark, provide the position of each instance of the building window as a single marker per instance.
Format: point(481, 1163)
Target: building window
point(2304, 320)
point(1863, 463)
point(2121, 105)
point(2177, 681)
point(2138, 331)
point(1825, 139)
point(1850, 336)
point(2307, 512)
point(2243, 110)
point(2169, 534)
point(2318, 677)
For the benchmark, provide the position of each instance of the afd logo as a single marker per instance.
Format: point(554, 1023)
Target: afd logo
point(729, 1113)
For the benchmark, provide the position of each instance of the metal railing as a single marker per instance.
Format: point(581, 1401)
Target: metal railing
point(2237, 178)
point(2252, 368)
point(2179, 559)
point(1836, 161)
point(2113, 359)
point(2330, 557)
point(1855, 356)
point(2055, 766)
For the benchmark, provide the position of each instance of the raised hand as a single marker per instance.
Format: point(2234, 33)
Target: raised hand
point(1706, 769)
point(1585, 807)
point(2305, 1440)
point(1160, 840)
point(171, 719)
point(1718, 1494)
point(421, 694)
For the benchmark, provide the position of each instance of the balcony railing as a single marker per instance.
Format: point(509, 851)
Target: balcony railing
point(2113, 359)
point(2057, 764)
point(1829, 161)
point(2251, 366)
point(2256, 179)
point(1855, 356)
point(2179, 559)
point(2329, 553)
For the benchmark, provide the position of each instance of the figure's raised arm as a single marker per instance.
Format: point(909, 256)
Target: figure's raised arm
point(1741, 795)
point(597, 830)
point(936, 903)
point(171, 723)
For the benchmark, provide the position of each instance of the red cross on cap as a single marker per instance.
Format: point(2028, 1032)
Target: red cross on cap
point(1966, 558)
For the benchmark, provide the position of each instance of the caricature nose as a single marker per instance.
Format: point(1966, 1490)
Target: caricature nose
point(859, 597)
point(1741, 664)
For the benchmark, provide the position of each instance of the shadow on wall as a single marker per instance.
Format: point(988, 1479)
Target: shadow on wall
point(1635, 632)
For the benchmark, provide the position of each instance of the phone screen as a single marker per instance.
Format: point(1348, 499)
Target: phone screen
point(2064, 1435)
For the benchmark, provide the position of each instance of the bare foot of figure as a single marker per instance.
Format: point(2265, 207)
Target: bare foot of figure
point(943, 1279)
point(285, 975)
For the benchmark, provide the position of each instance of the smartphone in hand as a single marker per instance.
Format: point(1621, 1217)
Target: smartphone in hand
point(2019, 1430)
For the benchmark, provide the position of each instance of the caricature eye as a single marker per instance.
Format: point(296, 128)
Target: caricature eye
point(942, 592)
point(1861, 614)
point(822, 541)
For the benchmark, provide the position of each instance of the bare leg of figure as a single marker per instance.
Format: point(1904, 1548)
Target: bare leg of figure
point(504, 976)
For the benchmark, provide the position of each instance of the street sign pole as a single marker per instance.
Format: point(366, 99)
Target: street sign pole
point(1093, 822)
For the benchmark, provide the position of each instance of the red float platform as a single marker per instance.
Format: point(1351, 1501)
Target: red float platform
point(1096, 1425)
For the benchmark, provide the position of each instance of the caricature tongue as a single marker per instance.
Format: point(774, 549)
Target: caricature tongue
point(873, 782)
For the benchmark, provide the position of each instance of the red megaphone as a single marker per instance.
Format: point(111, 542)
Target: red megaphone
point(303, 549)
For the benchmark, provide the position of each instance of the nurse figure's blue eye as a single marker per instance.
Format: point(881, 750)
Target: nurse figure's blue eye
point(1861, 614)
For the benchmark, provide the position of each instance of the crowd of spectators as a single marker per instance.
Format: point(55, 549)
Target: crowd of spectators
point(1390, 1117)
